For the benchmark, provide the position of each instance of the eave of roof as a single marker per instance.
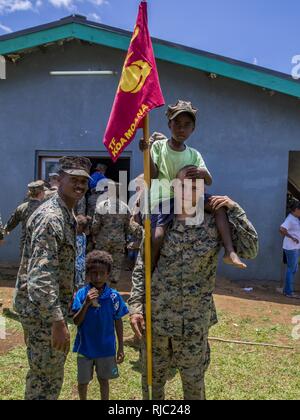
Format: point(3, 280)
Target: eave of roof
point(79, 28)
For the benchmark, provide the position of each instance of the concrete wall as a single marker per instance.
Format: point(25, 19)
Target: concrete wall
point(294, 169)
point(244, 134)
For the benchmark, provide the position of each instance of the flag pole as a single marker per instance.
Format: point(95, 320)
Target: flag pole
point(148, 263)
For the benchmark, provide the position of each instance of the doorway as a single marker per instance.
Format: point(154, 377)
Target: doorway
point(113, 169)
point(47, 162)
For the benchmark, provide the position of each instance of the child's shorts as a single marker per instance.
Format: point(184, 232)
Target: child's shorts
point(160, 218)
point(106, 368)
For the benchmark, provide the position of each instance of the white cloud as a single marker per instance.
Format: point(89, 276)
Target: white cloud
point(67, 4)
point(6, 29)
point(71, 5)
point(98, 2)
point(10, 6)
point(94, 17)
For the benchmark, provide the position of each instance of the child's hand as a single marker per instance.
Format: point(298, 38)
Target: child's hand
point(120, 356)
point(144, 145)
point(196, 173)
point(217, 202)
point(91, 296)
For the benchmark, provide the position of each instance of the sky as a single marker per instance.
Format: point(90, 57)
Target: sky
point(262, 32)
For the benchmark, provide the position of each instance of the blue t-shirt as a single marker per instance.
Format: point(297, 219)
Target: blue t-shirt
point(96, 335)
point(95, 178)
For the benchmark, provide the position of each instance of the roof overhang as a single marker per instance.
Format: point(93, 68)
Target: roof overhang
point(79, 28)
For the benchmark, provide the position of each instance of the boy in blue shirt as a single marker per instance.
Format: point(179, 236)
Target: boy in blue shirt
point(98, 312)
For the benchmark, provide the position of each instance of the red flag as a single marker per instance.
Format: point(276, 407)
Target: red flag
point(139, 90)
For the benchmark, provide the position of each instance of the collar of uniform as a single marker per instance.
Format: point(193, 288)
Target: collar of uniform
point(63, 204)
point(181, 226)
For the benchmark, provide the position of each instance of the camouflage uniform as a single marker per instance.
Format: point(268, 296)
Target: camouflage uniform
point(44, 291)
point(91, 203)
point(111, 230)
point(80, 209)
point(21, 215)
point(94, 198)
point(50, 192)
point(183, 309)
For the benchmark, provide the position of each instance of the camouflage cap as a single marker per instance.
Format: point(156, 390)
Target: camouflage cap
point(76, 165)
point(36, 185)
point(179, 108)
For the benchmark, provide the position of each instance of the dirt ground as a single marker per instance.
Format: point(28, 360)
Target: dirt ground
point(229, 297)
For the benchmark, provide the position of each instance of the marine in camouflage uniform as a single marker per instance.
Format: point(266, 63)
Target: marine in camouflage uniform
point(45, 286)
point(110, 228)
point(25, 210)
point(97, 185)
point(53, 185)
point(183, 309)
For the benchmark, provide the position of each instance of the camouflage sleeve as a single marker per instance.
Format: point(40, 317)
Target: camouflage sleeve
point(14, 220)
point(137, 296)
point(127, 225)
point(96, 224)
point(43, 269)
point(136, 229)
point(244, 236)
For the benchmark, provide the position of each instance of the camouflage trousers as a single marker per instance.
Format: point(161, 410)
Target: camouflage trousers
point(190, 355)
point(46, 366)
point(117, 252)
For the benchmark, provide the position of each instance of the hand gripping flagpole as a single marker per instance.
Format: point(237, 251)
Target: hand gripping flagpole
point(148, 263)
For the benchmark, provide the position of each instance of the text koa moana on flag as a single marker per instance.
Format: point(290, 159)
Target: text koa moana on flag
point(138, 92)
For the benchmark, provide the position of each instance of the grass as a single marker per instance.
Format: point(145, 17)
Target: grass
point(236, 372)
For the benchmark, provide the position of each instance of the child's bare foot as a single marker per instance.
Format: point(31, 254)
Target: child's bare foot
point(232, 258)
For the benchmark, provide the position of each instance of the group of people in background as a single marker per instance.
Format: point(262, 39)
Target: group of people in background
point(73, 246)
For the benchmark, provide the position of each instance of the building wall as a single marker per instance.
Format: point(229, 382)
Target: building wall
point(244, 134)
